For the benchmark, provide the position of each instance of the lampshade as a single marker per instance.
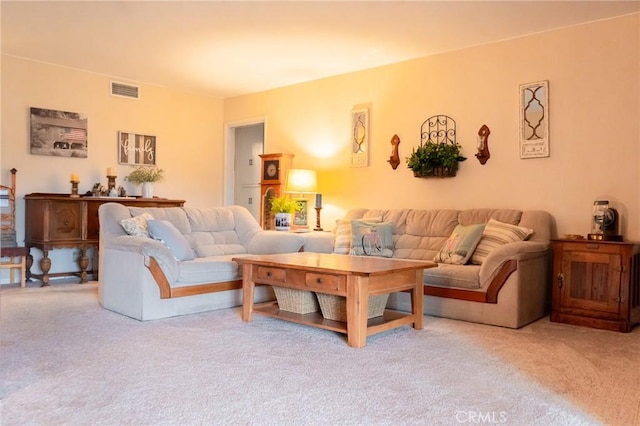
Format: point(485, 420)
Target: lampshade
point(301, 181)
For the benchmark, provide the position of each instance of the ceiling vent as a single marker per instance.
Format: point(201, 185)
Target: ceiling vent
point(125, 90)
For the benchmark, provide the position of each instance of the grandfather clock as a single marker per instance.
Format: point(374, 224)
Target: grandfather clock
point(272, 182)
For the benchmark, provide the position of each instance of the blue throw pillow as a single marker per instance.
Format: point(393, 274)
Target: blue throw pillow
point(371, 239)
point(166, 232)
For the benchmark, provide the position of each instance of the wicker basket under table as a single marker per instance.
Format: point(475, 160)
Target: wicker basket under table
point(297, 301)
point(335, 307)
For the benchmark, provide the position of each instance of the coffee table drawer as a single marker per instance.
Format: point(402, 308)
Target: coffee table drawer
point(271, 274)
point(324, 281)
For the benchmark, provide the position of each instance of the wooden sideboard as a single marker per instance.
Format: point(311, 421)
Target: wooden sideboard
point(61, 221)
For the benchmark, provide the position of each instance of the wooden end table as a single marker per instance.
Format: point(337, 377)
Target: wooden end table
point(354, 277)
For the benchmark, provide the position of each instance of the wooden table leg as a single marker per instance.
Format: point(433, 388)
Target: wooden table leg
point(357, 308)
point(45, 266)
point(417, 301)
point(248, 292)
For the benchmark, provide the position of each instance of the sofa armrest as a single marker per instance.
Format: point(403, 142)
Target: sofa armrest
point(272, 242)
point(518, 251)
point(318, 242)
point(147, 247)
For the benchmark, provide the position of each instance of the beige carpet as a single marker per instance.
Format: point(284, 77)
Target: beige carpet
point(65, 360)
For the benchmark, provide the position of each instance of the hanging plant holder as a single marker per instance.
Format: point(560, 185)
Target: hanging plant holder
point(437, 172)
point(438, 154)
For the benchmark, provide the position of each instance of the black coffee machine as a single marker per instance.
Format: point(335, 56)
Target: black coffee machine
point(604, 224)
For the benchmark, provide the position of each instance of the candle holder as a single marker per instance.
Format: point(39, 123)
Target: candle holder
point(111, 183)
point(318, 227)
point(74, 188)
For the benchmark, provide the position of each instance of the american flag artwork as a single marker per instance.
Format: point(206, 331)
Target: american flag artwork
point(136, 149)
point(76, 135)
point(58, 133)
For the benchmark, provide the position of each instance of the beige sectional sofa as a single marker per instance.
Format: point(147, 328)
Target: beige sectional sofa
point(143, 279)
point(509, 288)
point(190, 270)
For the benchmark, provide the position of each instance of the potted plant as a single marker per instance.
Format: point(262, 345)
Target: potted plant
point(283, 207)
point(435, 159)
point(145, 176)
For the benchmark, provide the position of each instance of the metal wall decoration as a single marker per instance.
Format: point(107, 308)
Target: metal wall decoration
point(438, 153)
point(58, 133)
point(137, 150)
point(360, 137)
point(534, 119)
point(438, 129)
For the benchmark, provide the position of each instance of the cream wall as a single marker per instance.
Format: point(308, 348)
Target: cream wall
point(188, 128)
point(593, 72)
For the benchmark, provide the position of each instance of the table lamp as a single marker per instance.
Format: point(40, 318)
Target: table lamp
point(301, 181)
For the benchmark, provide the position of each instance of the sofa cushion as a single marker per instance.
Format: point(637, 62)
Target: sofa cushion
point(212, 248)
point(175, 215)
point(166, 232)
point(496, 234)
point(456, 276)
point(342, 241)
point(371, 239)
point(459, 247)
point(137, 225)
point(207, 270)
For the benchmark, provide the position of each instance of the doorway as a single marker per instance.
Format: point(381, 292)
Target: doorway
point(245, 143)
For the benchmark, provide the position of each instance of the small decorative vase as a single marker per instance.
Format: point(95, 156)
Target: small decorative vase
point(147, 190)
point(283, 221)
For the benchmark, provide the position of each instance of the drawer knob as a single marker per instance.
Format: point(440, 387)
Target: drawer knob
point(319, 280)
point(269, 274)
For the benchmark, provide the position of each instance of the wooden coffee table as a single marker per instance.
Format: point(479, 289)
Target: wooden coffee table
point(354, 277)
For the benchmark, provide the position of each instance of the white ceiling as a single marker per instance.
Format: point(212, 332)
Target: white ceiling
point(229, 48)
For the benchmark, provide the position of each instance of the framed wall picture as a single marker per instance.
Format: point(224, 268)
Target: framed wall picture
point(136, 149)
point(58, 133)
point(360, 137)
point(534, 119)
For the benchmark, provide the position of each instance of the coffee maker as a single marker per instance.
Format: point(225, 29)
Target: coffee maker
point(604, 222)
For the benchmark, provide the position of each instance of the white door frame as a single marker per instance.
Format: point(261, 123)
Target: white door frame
point(230, 153)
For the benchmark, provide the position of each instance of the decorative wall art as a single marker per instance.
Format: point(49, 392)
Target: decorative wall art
point(58, 133)
point(136, 150)
point(534, 119)
point(360, 137)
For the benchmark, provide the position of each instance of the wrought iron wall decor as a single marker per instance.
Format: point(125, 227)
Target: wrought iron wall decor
point(534, 119)
point(438, 129)
point(438, 153)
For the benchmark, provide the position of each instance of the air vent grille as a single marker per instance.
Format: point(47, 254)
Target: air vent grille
point(125, 90)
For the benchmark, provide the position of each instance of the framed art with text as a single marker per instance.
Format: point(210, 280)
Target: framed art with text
point(136, 149)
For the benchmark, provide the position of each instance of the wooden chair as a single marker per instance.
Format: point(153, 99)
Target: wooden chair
point(9, 248)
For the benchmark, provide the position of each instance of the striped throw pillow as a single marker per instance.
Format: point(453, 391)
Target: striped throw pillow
point(496, 234)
